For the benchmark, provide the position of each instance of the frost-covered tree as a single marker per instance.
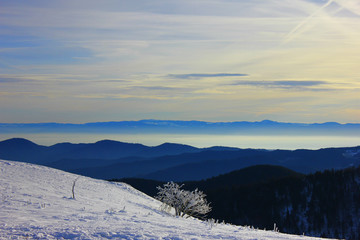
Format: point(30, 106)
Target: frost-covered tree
point(191, 203)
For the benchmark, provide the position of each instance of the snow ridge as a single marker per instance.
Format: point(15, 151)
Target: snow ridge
point(36, 203)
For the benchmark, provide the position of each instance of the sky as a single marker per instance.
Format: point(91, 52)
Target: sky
point(216, 60)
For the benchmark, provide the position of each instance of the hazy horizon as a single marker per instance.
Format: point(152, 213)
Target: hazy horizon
point(196, 140)
point(190, 120)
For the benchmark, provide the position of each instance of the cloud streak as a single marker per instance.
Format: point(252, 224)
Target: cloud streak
point(206, 75)
point(297, 30)
point(350, 5)
point(287, 84)
point(328, 12)
point(11, 80)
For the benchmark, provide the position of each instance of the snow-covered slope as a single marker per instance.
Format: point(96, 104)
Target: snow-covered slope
point(36, 203)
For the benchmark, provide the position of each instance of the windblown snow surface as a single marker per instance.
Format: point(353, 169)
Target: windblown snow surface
point(36, 203)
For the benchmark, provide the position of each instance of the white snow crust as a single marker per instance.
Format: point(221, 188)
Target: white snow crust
point(36, 203)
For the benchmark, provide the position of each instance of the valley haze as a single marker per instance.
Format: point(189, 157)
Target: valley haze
point(243, 134)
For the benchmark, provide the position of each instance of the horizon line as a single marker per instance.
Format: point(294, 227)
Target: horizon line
point(176, 120)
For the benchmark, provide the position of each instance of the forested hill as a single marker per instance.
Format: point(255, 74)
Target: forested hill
point(324, 204)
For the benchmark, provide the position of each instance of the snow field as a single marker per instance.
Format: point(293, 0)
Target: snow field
point(36, 203)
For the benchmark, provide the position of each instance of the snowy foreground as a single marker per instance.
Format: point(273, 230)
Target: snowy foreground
point(36, 203)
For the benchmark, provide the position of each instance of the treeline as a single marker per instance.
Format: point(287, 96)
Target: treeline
point(324, 204)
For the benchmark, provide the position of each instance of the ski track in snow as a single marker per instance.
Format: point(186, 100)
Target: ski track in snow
point(36, 203)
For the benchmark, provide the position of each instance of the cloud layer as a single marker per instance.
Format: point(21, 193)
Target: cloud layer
point(86, 60)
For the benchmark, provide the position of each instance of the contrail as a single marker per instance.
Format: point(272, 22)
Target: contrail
point(350, 5)
point(295, 30)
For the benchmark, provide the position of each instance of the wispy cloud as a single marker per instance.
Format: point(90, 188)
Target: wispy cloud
point(350, 5)
point(328, 13)
point(11, 80)
point(299, 27)
point(165, 56)
point(206, 75)
point(158, 88)
point(283, 84)
point(297, 83)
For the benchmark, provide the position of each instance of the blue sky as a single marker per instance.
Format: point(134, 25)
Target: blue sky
point(86, 61)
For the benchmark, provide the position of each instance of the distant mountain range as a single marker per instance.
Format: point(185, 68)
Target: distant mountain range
point(169, 162)
point(19, 149)
point(188, 127)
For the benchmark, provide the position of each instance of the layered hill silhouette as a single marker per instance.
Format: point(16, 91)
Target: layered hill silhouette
point(304, 161)
point(169, 162)
point(209, 163)
point(20, 149)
